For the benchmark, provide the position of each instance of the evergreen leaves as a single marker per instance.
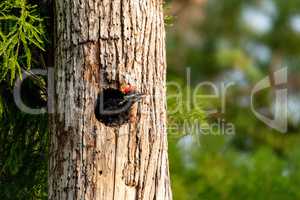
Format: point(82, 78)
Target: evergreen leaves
point(23, 137)
point(21, 31)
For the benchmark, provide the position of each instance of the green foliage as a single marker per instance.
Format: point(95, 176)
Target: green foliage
point(182, 111)
point(21, 30)
point(1, 107)
point(257, 162)
point(23, 138)
point(23, 153)
point(227, 174)
point(168, 18)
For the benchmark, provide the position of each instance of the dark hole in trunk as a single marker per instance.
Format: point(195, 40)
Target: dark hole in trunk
point(112, 108)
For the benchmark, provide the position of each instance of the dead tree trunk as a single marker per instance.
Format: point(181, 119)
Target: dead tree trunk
point(102, 44)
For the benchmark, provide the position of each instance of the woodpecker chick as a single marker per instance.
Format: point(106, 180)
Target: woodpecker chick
point(130, 94)
point(114, 107)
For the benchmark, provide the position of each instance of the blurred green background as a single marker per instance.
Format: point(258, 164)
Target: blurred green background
point(232, 41)
point(241, 42)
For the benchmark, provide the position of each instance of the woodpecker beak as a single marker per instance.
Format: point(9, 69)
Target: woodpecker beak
point(135, 97)
point(132, 98)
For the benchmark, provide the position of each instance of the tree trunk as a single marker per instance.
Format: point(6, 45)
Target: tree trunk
point(103, 44)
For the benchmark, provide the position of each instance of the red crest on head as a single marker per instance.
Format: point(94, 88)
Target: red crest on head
point(126, 89)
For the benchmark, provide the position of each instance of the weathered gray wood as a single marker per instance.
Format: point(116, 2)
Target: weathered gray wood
point(100, 44)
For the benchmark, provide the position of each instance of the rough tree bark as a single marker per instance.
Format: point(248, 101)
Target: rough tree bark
point(102, 44)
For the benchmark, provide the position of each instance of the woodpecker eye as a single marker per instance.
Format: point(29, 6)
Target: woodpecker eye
point(112, 107)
